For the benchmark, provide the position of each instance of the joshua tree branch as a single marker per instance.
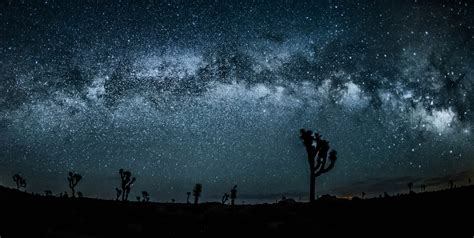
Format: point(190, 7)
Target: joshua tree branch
point(318, 164)
point(331, 165)
point(324, 169)
point(320, 169)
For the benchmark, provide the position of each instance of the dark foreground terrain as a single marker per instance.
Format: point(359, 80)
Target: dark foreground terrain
point(441, 212)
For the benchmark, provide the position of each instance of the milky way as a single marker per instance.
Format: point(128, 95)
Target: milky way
point(215, 93)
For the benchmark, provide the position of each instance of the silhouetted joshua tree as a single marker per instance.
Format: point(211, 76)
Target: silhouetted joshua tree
point(233, 194)
point(48, 193)
point(451, 184)
point(119, 192)
point(187, 199)
point(197, 192)
point(146, 196)
point(73, 180)
point(225, 197)
point(423, 187)
point(410, 186)
point(363, 195)
point(469, 181)
point(79, 194)
point(317, 157)
point(126, 184)
point(138, 198)
point(20, 181)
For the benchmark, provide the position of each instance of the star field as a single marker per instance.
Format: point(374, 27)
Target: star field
point(215, 93)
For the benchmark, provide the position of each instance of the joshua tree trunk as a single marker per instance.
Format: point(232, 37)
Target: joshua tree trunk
point(73, 192)
point(312, 182)
point(196, 199)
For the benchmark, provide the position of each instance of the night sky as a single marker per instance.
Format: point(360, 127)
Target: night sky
point(215, 92)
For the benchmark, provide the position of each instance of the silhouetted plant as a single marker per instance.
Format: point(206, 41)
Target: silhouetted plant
point(138, 198)
point(469, 181)
point(451, 184)
point(225, 197)
point(197, 192)
point(317, 157)
point(233, 195)
point(48, 193)
point(423, 187)
point(410, 186)
point(119, 192)
point(173, 200)
point(146, 196)
point(187, 198)
point(126, 184)
point(79, 194)
point(73, 180)
point(363, 195)
point(20, 181)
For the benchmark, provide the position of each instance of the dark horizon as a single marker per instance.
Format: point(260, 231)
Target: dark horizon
point(215, 93)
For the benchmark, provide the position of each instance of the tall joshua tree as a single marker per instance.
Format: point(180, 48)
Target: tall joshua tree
point(197, 192)
point(317, 151)
point(73, 180)
point(20, 181)
point(233, 195)
point(126, 183)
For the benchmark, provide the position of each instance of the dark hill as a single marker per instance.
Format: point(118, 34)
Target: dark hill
point(432, 212)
